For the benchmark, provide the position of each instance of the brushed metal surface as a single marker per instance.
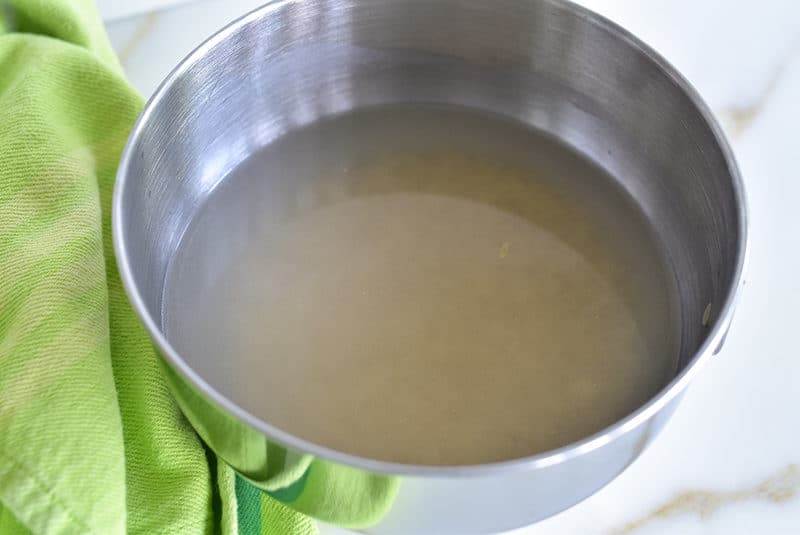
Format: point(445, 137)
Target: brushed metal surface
point(549, 63)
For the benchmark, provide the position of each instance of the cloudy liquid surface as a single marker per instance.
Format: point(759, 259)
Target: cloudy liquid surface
point(424, 285)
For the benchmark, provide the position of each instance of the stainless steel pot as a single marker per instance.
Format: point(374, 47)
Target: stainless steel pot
point(552, 64)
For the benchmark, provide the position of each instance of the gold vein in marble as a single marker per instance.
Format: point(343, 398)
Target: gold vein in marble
point(141, 31)
point(742, 117)
point(779, 488)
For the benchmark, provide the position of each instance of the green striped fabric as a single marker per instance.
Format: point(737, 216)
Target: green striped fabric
point(91, 440)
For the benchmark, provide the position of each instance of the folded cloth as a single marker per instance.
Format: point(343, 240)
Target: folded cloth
point(91, 440)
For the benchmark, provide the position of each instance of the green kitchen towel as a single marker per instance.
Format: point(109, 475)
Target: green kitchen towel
point(91, 440)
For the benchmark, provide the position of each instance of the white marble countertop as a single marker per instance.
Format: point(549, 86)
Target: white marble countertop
point(729, 461)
